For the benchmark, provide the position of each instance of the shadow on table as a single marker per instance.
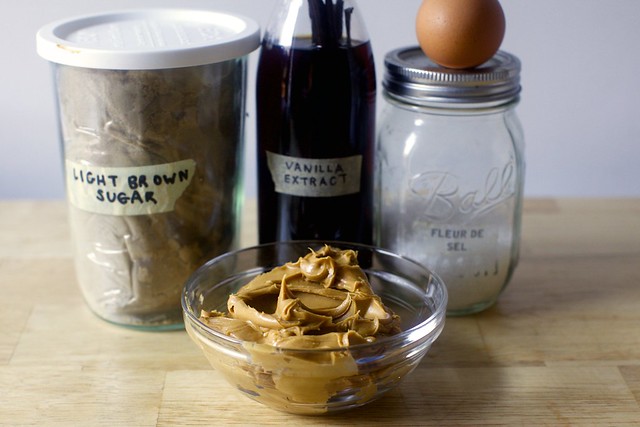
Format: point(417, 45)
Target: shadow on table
point(456, 381)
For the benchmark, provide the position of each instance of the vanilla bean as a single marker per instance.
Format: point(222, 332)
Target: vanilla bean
point(316, 11)
point(327, 22)
point(347, 18)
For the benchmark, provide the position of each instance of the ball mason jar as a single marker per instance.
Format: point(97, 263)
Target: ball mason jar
point(449, 172)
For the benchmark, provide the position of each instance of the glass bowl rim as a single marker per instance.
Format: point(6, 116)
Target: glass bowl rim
point(430, 327)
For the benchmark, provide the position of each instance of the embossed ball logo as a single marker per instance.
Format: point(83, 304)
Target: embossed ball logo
point(443, 196)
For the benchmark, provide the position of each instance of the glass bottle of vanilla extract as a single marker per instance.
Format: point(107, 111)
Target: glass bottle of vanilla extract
point(316, 94)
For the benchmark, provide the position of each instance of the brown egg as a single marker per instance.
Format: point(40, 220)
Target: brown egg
point(460, 33)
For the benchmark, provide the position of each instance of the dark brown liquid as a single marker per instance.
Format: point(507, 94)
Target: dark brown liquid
point(324, 109)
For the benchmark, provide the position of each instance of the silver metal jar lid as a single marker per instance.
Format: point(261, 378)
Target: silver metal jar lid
point(413, 78)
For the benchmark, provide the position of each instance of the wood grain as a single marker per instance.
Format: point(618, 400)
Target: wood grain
point(561, 347)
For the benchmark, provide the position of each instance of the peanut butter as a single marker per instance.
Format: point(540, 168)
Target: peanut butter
point(322, 301)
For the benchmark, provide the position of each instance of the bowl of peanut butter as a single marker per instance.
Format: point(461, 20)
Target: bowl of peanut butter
point(310, 327)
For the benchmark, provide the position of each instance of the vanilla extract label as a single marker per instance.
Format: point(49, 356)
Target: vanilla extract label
point(315, 177)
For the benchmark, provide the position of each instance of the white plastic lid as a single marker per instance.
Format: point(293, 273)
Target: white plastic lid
point(148, 39)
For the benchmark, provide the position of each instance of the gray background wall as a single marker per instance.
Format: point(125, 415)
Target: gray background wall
point(580, 102)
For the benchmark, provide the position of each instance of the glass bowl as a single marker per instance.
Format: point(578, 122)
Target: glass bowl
point(317, 381)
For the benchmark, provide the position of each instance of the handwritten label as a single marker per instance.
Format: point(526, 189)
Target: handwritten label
point(139, 190)
point(315, 177)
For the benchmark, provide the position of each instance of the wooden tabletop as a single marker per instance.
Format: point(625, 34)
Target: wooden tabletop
point(561, 347)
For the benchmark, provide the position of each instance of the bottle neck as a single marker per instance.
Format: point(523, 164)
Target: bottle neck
point(326, 23)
